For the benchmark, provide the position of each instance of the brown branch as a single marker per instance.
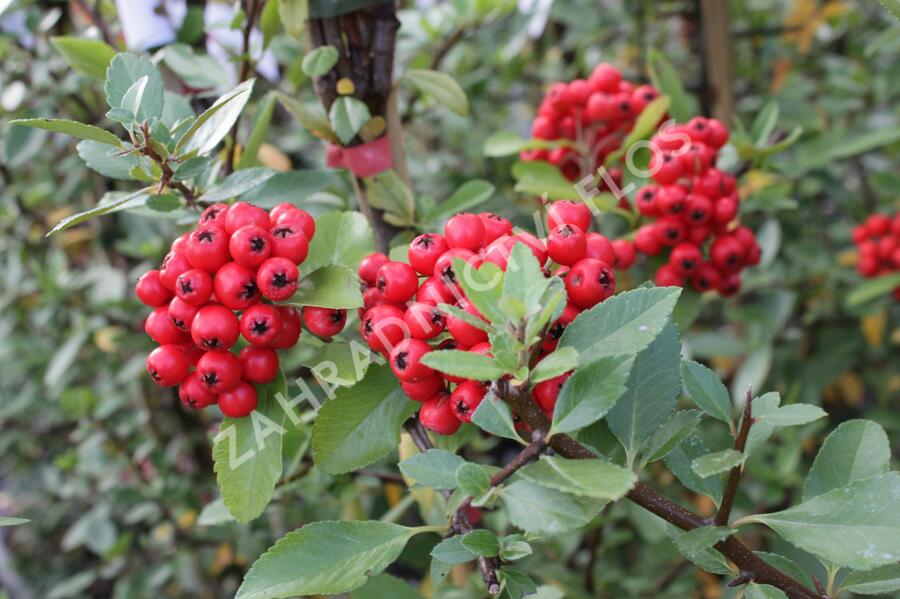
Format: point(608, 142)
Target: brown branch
point(189, 193)
point(246, 65)
point(733, 549)
point(734, 477)
point(97, 19)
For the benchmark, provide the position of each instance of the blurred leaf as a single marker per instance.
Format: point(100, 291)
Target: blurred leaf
point(341, 238)
point(347, 116)
point(467, 196)
point(865, 142)
point(320, 60)
point(763, 591)
point(9, 521)
point(73, 128)
point(665, 79)
point(294, 187)
point(270, 21)
point(388, 192)
point(594, 478)
point(541, 510)
point(874, 582)
point(539, 178)
point(293, 15)
point(855, 450)
point(440, 87)
point(872, 289)
point(103, 208)
point(105, 159)
point(330, 286)
point(200, 71)
point(385, 585)
point(645, 125)
point(764, 123)
point(452, 551)
point(250, 151)
point(312, 119)
point(507, 143)
point(86, 56)
point(236, 184)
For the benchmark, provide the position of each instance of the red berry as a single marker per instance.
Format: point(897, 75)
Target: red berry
point(282, 208)
point(668, 276)
point(290, 328)
point(716, 133)
point(208, 248)
point(725, 210)
point(544, 128)
point(160, 328)
point(301, 218)
point(537, 247)
point(250, 245)
point(324, 322)
point(443, 267)
point(466, 398)
point(672, 200)
point(382, 327)
point(600, 107)
point(259, 364)
point(727, 254)
point(219, 371)
point(625, 253)
point(589, 282)
point(151, 291)
point(706, 278)
point(436, 414)
point(878, 225)
point(646, 200)
point(261, 324)
point(645, 241)
point(425, 321)
point(182, 313)
point(235, 286)
point(214, 214)
point(685, 258)
point(406, 360)
point(372, 297)
point(434, 291)
point(424, 251)
point(168, 365)
point(289, 241)
point(730, 285)
point(546, 393)
point(277, 279)
point(368, 268)
point(494, 226)
point(566, 244)
point(579, 91)
point(465, 231)
point(194, 286)
point(569, 313)
point(241, 214)
point(238, 402)
point(397, 281)
point(215, 327)
point(665, 168)
point(699, 209)
point(568, 212)
point(483, 348)
point(598, 246)
point(172, 266)
point(462, 331)
point(193, 395)
point(669, 231)
point(605, 78)
point(423, 389)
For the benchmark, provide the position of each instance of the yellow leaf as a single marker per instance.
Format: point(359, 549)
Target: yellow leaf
point(757, 180)
point(272, 157)
point(186, 519)
point(107, 339)
point(847, 258)
point(394, 493)
point(873, 327)
point(345, 87)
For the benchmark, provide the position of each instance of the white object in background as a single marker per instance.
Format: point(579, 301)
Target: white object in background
point(223, 42)
point(150, 23)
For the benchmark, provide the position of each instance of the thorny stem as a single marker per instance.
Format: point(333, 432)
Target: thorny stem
point(734, 477)
point(146, 148)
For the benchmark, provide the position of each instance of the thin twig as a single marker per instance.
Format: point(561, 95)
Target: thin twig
point(189, 194)
point(246, 65)
point(734, 477)
point(97, 20)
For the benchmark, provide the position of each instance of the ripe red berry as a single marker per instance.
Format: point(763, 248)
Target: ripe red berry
point(727, 254)
point(462, 331)
point(301, 218)
point(546, 392)
point(235, 286)
point(424, 251)
point(194, 286)
point(289, 241)
point(699, 209)
point(368, 268)
point(495, 226)
point(397, 281)
point(465, 231)
point(193, 395)
point(290, 328)
point(250, 245)
point(716, 133)
point(685, 258)
point(324, 322)
point(668, 276)
point(537, 247)
point(261, 324)
point(425, 321)
point(182, 313)
point(725, 210)
point(605, 78)
point(151, 291)
point(434, 291)
point(241, 214)
point(600, 107)
point(382, 327)
point(672, 200)
point(598, 246)
point(219, 371)
point(669, 231)
point(466, 398)
point(566, 244)
point(168, 365)
point(646, 242)
point(160, 328)
point(706, 278)
point(406, 360)
point(259, 364)
point(444, 270)
point(646, 200)
point(569, 212)
point(215, 327)
point(666, 168)
point(423, 389)
point(277, 279)
point(730, 285)
point(214, 214)
point(436, 414)
point(208, 248)
point(625, 253)
point(589, 282)
point(371, 298)
point(173, 265)
point(238, 402)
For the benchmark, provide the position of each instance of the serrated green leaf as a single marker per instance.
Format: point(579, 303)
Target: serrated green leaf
point(855, 450)
point(706, 390)
point(452, 551)
point(494, 416)
point(341, 238)
point(114, 205)
point(696, 545)
point(123, 71)
point(717, 462)
point(597, 479)
point(440, 87)
point(435, 468)
point(679, 462)
point(559, 362)
point(332, 286)
point(105, 160)
point(86, 56)
point(874, 582)
point(320, 60)
point(591, 392)
point(668, 436)
point(482, 542)
point(470, 365)
point(472, 479)
point(541, 510)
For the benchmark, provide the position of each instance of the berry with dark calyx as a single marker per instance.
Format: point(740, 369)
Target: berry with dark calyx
point(466, 398)
point(598, 246)
point(397, 281)
point(424, 251)
point(699, 209)
point(194, 286)
point(289, 241)
point(537, 247)
point(241, 214)
point(277, 279)
point(215, 327)
point(546, 392)
point(193, 394)
point(669, 231)
point(239, 401)
point(160, 328)
point(727, 254)
point(646, 242)
point(625, 253)
point(182, 313)
point(425, 321)
point(214, 214)
point(589, 282)
point(290, 328)
point(462, 331)
point(168, 365)
point(706, 278)
point(423, 389)
point(383, 327)
point(566, 244)
point(569, 212)
point(730, 284)
point(259, 364)
point(569, 313)
point(250, 245)
point(261, 324)
point(235, 286)
point(219, 371)
point(465, 231)
point(301, 218)
point(371, 298)
point(646, 200)
point(173, 265)
point(672, 201)
point(436, 414)
point(151, 291)
point(208, 248)
point(495, 226)
point(324, 322)
point(444, 270)
point(406, 360)
point(368, 268)
point(685, 258)
point(433, 291)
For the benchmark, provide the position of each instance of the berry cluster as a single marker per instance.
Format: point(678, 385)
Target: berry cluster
point(402, 320)
point(693, 205)
point(878, 240)
point(596, 113)
point(237, 256)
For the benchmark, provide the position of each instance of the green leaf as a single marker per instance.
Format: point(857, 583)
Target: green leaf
point(538, 178)
point(470, 365)
point(679, 462)
point(347, 116)
point(855, 450)
point(514, 547)
point(236, 184)
point(874, 582)
point(597, 479)
point(270, 21)
point(452, 551)
point(652, 392)
point(311, 118)
point(764, 123)
point(339, 362)
point(104, 159)
point(320, 60)
point(332, 286)
point(717, 462)
point(88, 57)
point(524, 280)
point(247, 454)
point(645, 125)
point(482, 286)
point(113, 205)
point(191, 168)
point(787, 566)
point(200, 71)
point(494, 416)
point(435, 468)
point(623, 324)
point(292, 186)
point(541, 510)
point(324, 558)
point(794, 415)
point(472, 479)
point(559, 362)
point(516, 584)
point(706, 390)
point(768, 416)
point(506, 143)
point(440, 87)
point(388, 192)
point(362, 423)
point(213, 125)
point(124, 70)
point(341, 238)
point(872, 289)
point(763, 591)
point(250, 151)
point(668, 436)
point(665, 79)
point(866, 142)
point(893, 6)
point(10, 521)
point(293, 14)
point(384, 585)
point(697, 546)
point(73, 128)
point(854, 526)
point(467, 196)
point(591, 392)
point(482, 542)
